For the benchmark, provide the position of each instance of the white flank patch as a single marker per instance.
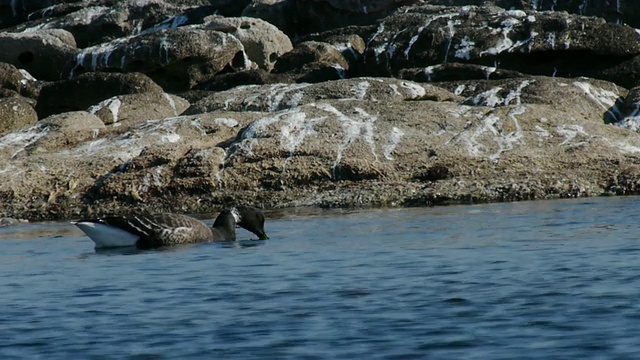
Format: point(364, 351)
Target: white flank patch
point(105, 236)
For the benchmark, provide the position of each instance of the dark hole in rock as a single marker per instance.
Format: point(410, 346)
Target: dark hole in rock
point(245, 26)
point(238, 60)
point(226, 29)
point(25, 57)
point(273, 57)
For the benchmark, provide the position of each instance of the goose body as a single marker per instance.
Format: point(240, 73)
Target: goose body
point(156, 230)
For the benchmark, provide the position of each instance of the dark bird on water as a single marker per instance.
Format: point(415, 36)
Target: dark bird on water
point(156, 230)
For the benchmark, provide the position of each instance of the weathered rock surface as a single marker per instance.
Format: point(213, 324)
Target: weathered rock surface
point(270, 98)
point(313, 61)
point(19, 81)
point(42, 53)
point(139, 107)
point(15, 113)
point(89, 89)
point(176, 59)
point(552, 44)
point(263, 42)
point(166, 107)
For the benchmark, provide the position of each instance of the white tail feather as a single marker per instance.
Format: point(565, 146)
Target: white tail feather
point(106, 236)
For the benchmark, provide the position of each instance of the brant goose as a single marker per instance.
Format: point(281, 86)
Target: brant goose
point(156, 230)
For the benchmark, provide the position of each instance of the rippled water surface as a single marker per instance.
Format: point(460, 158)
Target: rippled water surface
point(551, 279)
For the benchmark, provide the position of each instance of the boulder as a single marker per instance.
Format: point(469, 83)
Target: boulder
point(18, 80)
point(89, 89)
point(313, 61)
point(231, 80)
point(176, 59)
point(43, 53)
point(16, 11)
point(131, 165)
point(280, 13)
point(270, 98)
point(549, 43)
point(139, 107)
point(65, 130)
point(456, 71)
point(15, 113)
point(100, 21)
point(263, 42)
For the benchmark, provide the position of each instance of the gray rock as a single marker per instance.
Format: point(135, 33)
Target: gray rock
point(16, 11)
point(176, 59)
point(270, 98)
point(20, 81)
point(231, 80)
point(43, 53)
point(65, 130)
point(313, 61)
point(280, 13)
point(263, 42)
point(15, 113)
point(89, 89)
point(95, 22)
point(140, 107)
point(457, 71)
point(364, 145)
point(534, 43)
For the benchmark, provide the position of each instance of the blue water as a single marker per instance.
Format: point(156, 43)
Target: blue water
point(535, 280)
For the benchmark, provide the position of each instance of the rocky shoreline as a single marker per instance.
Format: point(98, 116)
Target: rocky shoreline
point(149, 105)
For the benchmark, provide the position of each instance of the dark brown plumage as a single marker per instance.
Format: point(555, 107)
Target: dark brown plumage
point(156, 230)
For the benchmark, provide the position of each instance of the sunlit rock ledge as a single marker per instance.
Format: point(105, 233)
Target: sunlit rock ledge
point(424, 105)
